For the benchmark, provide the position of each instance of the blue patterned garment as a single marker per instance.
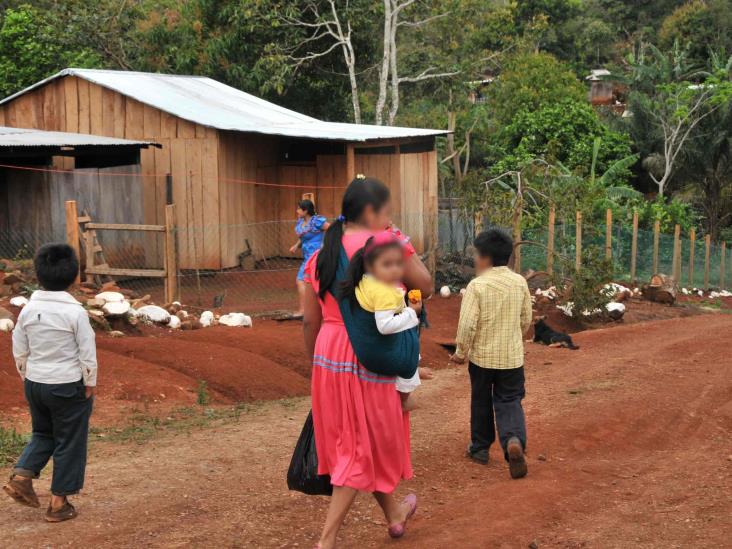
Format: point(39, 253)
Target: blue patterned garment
point(310, 234)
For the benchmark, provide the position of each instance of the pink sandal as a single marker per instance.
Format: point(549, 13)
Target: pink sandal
point(397, 530)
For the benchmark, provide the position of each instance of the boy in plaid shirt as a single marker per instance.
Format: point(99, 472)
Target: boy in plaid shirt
point(495, 313)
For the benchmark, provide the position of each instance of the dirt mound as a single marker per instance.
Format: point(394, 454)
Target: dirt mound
point(236, 374)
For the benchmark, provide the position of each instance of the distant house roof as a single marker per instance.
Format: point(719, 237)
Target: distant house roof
point(597, 74)
point(22, 137)
point(210, 103)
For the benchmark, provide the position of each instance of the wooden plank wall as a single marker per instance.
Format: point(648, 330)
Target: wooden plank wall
point(189, 152)
point(246, 210)
point(419, 198)
point(34, 205)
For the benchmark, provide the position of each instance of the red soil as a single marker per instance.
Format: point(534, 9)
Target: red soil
point(629, 446)
point(159, 369)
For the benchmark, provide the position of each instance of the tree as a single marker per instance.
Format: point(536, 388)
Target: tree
point(32, 48)
point(701, 27)
point(530, 81)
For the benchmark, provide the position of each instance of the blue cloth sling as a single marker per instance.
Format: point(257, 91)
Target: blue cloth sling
point(388, 355)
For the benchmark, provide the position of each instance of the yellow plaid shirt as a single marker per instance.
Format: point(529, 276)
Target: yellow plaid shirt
point(495, 314)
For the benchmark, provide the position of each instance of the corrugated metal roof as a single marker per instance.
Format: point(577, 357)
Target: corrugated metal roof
point(210, 103)
point(24, 137)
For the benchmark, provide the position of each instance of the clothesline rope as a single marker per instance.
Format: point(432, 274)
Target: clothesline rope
point(141, 175)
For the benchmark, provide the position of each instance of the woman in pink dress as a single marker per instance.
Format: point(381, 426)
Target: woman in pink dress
point(361, 433)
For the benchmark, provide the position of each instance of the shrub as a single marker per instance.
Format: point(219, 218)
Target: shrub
point(582, 290)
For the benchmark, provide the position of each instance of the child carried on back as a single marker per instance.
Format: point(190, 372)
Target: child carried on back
point(374, 283)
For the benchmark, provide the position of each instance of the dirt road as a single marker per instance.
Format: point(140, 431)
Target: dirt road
point(629, 446)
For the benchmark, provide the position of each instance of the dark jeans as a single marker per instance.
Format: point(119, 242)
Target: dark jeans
point(498, 392)
point(60, 417)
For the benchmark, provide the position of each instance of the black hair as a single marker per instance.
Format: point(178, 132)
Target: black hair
point(307, 206)
point(358, 264)
point(360, 193)
point(496, 244)
point(57, 266)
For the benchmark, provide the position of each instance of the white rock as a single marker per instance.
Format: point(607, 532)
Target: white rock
point(614, 306)
point(18, 301)
point(6, 325)
point(153, 313)
point(236, 319)
point(174, 322)
point(110, 297)
point(700, 293)
point(567, 308)
point(206, 319)
point(445, 291)
point(462, 291)
point(685, 291)
point(116, 308)
point(183, 313)
point(178, 303)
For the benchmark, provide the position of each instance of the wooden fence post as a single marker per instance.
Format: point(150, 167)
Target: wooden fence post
point(656, 237)
point(550, 241)
point(578, 241)
point(722, 270)
point(634, 248)
point(676, 259)
point(707, 246)
point(609, 234)
point(692, 244)
point(72, 230)
point(172, 292)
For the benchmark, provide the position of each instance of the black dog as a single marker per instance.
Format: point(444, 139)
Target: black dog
point(545, 334)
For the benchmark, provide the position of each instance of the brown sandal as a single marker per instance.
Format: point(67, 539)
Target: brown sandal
point(21, 490)
point(67, 512)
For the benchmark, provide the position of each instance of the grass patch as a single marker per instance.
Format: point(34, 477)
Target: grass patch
point(11, 444)
point(141, 426)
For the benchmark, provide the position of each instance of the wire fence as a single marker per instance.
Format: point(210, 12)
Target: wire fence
point(255, 270)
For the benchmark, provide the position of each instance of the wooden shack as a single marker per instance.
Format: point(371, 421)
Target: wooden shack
point(236, 164)
point(105, 184)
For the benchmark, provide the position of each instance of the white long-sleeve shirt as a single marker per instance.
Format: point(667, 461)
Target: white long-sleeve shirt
point(393, 322)
point(53, 341)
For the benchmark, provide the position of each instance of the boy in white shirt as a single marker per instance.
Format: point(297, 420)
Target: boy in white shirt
point(55, 354)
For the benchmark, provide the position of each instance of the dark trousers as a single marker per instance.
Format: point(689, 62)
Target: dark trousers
point(60, 416)
point(496, 395)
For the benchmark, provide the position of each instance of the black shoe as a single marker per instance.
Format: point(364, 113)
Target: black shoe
point(479, 456)
point(516, 459)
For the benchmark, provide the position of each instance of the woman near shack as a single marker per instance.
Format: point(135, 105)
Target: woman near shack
point(310, 229)
point(361, 433)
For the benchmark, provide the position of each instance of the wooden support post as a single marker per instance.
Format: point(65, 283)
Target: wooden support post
point(707, 252)
point(656, 237)
point(676, 259)
point(609, 234)
point(634, 248)
point(578, 242)
point(550, 241)
point(350, 162)
point(171, 256)
point(722, 270)
point(72, 230)
point(89, 249)
point(692, 245)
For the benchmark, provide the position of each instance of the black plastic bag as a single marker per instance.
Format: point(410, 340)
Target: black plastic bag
point(302, 475)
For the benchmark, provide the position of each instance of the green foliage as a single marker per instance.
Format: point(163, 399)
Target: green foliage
point(562, 131)
point(699, 26)
point(33, 47)
point(530, 81)
point(582, 290)
point(669, 212)
point(11, 444)
point(203, 397)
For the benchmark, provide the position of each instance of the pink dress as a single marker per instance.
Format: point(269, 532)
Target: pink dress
point(361, 433)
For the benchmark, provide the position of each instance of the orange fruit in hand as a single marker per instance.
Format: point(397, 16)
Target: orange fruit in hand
point(414, 296)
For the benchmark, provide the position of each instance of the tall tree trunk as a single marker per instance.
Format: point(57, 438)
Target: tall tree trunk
point(385, 63)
